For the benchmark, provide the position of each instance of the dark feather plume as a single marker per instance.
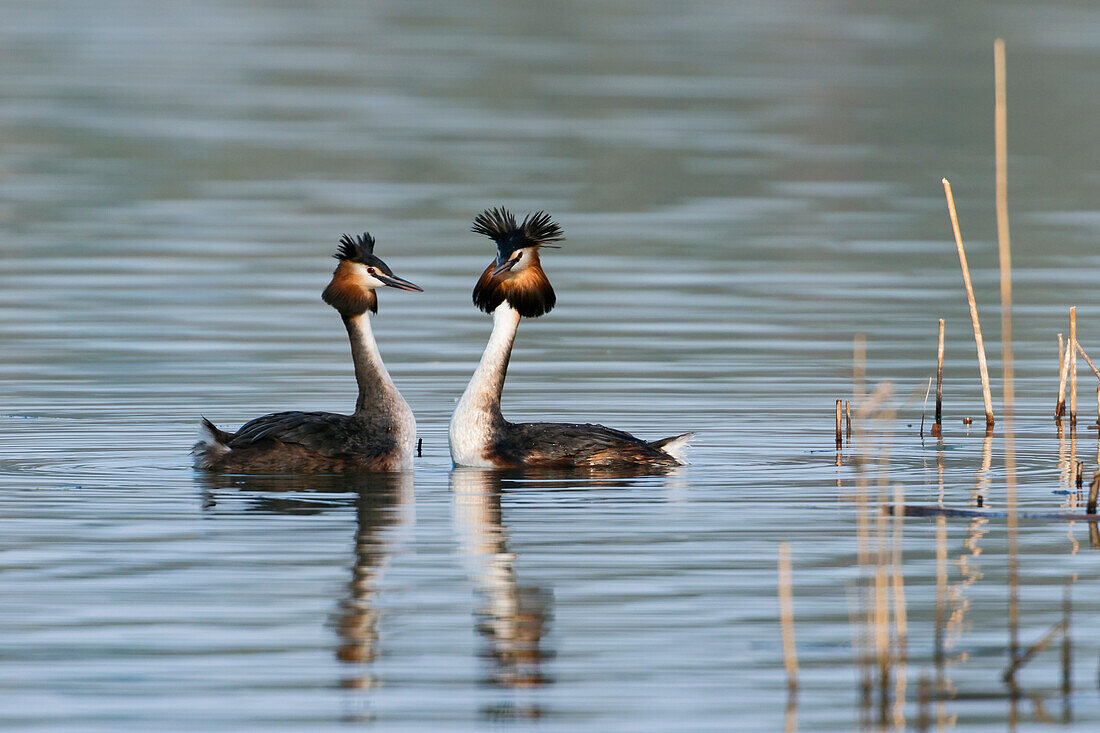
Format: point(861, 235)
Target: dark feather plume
point(530, 294)
point(359, 249)
point(499, 225)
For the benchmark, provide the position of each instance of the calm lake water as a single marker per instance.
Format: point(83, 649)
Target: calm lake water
point(744, 187)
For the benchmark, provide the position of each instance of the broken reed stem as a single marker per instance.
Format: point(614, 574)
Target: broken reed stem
point(839, 437)
point(1061, 351)
point(939, 383)
point(983, 369)
point(1073, 366)
point(786, 617)
point(1079, 474)
point(1088, 361)
point(848, 415)
point(1060, 408)
point(1094, 490)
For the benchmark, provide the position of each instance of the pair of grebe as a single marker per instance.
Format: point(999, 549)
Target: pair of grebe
point(381, 434)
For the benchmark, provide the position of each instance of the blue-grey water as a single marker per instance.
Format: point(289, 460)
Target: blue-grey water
point(744, 188)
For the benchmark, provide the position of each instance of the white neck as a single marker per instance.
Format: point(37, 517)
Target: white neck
point(478, 412)
point(374, 381)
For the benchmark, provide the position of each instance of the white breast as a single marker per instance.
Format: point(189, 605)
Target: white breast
point(478, 411)
point(469, 434)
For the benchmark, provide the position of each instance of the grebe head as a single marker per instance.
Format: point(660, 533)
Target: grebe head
point(516, 275)
point(351, 290)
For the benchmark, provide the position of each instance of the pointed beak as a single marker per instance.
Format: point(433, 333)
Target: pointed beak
point(400, 283)
point(505, 267)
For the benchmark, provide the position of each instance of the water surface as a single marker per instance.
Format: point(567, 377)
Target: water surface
point(744, 187)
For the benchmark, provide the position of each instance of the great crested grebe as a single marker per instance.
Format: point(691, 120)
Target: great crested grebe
point(512, 287)
point(379, 436)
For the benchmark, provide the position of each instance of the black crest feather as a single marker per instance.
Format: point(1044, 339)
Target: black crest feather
point(499, 225)
point(355, 250)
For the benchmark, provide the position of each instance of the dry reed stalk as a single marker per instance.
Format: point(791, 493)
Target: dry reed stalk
point(1094, 490)
point(1000, 124)
point(786, 617)
point(848, 415)
point(983, 369)
point(1072, 367)
point(1061, 351)
point(1060, 408)
point(1000, 134)
point(937, 430)
point(839, 437)
point(1004, 248)
point(1085, 356)
point(1079, 474)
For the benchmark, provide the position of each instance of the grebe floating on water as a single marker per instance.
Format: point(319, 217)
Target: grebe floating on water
point(512, 287)
point(379, 436)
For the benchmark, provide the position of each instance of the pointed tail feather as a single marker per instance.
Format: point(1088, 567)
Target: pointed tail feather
point(674, 446)
point(212, 445)
point(219, 435)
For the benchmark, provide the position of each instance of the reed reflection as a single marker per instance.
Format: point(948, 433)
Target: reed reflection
point(382, 502)
point(512, 618)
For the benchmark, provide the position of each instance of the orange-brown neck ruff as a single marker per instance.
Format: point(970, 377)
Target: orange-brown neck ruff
point(528, 291)
point(346, 295)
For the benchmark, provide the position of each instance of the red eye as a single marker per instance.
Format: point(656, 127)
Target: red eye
point(519, 256)
point(370, 270)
